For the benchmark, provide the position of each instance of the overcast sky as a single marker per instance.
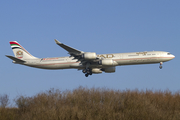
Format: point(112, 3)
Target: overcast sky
point(92, 26)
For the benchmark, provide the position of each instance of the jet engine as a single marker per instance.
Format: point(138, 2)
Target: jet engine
point(106, 62)
point(96, 71)
point(109, 70)
point(89, 56)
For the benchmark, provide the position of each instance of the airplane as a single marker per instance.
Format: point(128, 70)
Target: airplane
point(89, 62)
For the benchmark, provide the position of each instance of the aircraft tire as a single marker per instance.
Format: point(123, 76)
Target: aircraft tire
point(84, 70)
point(86, 75)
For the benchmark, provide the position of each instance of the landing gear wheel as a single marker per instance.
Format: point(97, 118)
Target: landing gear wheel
point(87, 72)
point(86, 75)
point(84, 70)
point(160, 65)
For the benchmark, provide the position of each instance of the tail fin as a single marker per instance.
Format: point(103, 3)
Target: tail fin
point(20, 52)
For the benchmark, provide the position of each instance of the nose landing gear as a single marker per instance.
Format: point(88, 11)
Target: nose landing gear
point(160, 65)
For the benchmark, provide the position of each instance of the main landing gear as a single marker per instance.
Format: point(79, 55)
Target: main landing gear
point(160, 65)
point(87, 72)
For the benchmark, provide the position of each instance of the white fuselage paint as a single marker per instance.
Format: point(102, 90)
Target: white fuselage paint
point(118, 58)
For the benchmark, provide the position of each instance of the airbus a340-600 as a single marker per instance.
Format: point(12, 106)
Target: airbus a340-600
point(89, 62)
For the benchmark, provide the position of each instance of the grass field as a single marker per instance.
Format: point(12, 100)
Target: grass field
point(95, 104)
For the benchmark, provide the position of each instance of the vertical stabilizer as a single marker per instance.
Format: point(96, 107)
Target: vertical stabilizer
point(20, 52)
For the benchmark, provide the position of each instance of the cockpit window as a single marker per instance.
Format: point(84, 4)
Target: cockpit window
point(168, 53)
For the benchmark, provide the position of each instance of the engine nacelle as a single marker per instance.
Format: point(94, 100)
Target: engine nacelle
point(96, 71)
point(106, 62)
point(110, 70)
point(89, 56)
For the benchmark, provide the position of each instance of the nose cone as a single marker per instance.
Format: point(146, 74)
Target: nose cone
point(173, 56)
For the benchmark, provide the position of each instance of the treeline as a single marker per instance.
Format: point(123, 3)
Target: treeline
point(95, 104)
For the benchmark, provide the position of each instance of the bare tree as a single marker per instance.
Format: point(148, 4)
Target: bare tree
point(4, 100)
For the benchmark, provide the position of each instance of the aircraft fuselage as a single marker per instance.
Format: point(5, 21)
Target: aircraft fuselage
point(118, 58)
point(89, 62)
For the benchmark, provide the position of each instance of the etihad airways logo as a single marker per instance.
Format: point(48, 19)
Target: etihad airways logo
point(106, 56)
point(19, 54)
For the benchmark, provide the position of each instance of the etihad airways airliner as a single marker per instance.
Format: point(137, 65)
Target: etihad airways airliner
point(89, 62)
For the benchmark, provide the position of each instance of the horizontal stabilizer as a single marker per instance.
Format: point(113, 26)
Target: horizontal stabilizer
point(15, 59)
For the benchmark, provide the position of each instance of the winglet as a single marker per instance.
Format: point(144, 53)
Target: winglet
point(57, 42)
